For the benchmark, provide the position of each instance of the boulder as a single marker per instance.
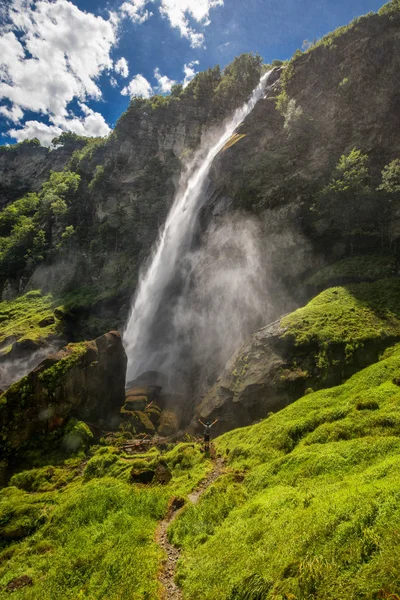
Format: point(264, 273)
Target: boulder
point(339, 332)
point(251, 384)
point(169, 423)
point(84, 380)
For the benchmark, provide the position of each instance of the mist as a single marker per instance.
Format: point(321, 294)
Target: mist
point(13, 369)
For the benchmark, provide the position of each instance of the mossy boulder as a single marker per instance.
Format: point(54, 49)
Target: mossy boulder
point(84, 380)
point(341, 331)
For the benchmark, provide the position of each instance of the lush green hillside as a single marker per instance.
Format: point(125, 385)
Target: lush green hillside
point(80, 528)
point(311, 507)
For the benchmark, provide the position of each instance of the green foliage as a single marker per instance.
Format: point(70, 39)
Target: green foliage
point(98, 177)
point(25, 144)
point(350, 207)
point(11, 214)
point(351, 173)
point(391, 178)
point(67, 238)
point(26, 225)
point(318, 509)
point(239, 79)
point(392, 8)
point(58, 191)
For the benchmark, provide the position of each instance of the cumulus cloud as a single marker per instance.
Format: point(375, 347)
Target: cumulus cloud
point(139, 86)
point(36, 129)
point(121, 67)
point(136, 10)
point(91, 124)
point(189, 71)
point(50, 53)
point(13, 114)
point(178, 12)
point(164, 83)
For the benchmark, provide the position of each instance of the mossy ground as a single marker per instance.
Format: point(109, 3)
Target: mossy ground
point(82, 530)
point(358, 312)
point(20, 318)
point(317, 514)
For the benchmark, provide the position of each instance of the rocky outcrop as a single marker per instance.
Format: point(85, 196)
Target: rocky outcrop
point(84, 380)
point(339, 332)
point(148, 409)
point(251, 384)
point(24, 167)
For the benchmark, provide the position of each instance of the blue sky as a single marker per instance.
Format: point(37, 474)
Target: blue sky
point(73, 65)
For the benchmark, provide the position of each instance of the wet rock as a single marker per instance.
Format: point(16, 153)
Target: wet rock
point(169, 423)
point(84, 380)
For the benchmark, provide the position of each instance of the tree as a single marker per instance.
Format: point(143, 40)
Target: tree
point(348, 204)
point(391, 178)
point(239, 79)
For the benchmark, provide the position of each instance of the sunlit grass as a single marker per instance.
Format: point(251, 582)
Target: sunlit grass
point(317, 515)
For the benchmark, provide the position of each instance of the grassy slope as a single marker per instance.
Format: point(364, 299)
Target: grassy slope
point(317, 515)
point(20, 318)
point(358, 312)
point(91, 531)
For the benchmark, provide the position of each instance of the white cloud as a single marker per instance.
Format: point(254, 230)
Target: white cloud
point(114, 82)
point(178, 13)
point(50, 53)
point(139, 86)
point(164, 83)
point(189, 71)
point(121, 67)
point(136, 10)
point(36, 129)
point(92, 124)
point(13, 114)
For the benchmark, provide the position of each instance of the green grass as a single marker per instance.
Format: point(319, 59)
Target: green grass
point(82, 530)
point(317, 515)
point(20, 318)
point(367, 267)
point(358, 312)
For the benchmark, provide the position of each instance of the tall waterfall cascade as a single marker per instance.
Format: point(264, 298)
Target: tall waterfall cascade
point(174, 242)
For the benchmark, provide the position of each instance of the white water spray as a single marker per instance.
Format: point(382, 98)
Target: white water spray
point(175, 239)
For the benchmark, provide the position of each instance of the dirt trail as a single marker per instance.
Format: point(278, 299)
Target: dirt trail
point(170, 591)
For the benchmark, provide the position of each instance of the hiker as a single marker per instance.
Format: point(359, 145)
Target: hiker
point(207, 432)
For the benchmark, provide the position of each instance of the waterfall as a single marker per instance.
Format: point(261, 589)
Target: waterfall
point(174, 242)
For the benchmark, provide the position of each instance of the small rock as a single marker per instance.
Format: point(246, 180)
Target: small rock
point(50, 320)
point(162, 474)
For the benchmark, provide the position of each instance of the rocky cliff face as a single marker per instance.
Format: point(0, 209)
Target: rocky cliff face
point(26, 166)
point(283, 171)
point(86, 381)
